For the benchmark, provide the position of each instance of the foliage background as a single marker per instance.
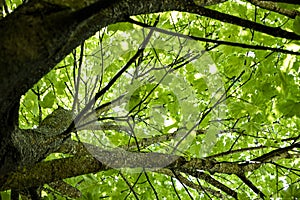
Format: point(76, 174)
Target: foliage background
point(255, 151)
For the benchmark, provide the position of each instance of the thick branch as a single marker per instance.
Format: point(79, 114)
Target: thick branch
point(274, 31)
point(275, 8)
point(51, 171)
point(284, 1)
point(276, 154)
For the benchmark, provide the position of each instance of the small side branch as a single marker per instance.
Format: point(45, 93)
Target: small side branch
point(251, 185)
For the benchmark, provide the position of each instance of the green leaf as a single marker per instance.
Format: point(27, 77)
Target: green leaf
point(125, 26)
point(5, 195)
point(292, 192)
point(289, 108)
point(48, 100)
point(296, 25)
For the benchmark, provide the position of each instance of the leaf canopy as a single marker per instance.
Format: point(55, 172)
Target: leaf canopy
point(232, 111)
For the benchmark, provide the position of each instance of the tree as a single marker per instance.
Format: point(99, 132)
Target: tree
point(149, 99)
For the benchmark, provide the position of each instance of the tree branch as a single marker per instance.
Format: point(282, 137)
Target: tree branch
point(51, 171)
point(251, 185)
point(220, 42)
point(274, 31)
point(284, 1)
point(275, 8)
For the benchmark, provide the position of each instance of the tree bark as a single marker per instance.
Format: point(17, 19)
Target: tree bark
point(39, 34)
